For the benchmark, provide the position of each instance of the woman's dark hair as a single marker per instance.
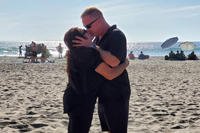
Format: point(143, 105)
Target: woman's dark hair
point(71, 34)
point(68, 38)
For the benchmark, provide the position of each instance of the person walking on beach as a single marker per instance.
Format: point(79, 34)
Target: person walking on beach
point(20, 50)
point(60, 50)
point(85, 74)
point(114, 96)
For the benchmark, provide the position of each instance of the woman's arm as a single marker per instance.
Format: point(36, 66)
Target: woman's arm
point(111, 73)
point(107, 57)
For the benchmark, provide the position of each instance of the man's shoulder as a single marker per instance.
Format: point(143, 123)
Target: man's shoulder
point(116, 31)
point(117, 35)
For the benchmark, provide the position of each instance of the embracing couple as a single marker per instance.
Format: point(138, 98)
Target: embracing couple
point(96, 67)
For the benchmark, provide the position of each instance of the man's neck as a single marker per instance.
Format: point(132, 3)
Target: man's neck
point(104, 30)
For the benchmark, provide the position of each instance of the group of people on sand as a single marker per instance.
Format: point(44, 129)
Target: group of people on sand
point(180, 56)
point(96, 68)
point(141, 56)
point(32, 51)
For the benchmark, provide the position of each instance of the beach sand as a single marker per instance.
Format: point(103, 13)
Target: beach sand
point(165, 97)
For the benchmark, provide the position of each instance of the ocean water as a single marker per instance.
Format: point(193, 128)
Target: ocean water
point(11, 48)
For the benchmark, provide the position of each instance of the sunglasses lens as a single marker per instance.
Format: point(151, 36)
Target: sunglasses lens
point(90, 24)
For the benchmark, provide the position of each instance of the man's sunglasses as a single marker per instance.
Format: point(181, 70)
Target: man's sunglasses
point(88, 26)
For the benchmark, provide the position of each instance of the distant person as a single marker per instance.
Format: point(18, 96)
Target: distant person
point(143, 56)
point(60, 50)
point(172, 55)
point(45, 54)
point(33, 52)
point(182, 56)
point(20, 50)
point(27, 51)
point(177, 57)
point(131, 55)
point(192, 56)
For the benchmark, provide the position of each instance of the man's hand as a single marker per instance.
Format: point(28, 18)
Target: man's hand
point(86, 41)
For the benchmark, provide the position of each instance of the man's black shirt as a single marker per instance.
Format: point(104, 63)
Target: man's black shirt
point(114, 41)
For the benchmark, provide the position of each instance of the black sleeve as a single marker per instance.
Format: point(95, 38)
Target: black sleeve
point(117, 45)
point(87, 58)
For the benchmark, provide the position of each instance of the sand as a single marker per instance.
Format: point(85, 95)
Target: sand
point(165, 97)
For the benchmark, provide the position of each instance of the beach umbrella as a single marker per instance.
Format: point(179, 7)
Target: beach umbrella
point(169, 42)
point(187, 46)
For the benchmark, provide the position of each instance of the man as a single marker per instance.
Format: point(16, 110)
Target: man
point(114, 95)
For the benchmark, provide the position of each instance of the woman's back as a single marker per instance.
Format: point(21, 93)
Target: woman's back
point(83, 77)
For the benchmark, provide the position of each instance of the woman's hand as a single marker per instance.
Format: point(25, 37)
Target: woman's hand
point(85, 41)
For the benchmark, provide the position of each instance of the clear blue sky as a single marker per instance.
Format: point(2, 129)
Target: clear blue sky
point(140, 20)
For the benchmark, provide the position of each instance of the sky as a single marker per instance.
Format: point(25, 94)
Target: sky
point(140, 20)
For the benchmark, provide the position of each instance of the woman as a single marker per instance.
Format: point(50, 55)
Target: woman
point(86, 74)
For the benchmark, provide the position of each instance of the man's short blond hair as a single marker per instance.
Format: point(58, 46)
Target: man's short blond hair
point(93, 12)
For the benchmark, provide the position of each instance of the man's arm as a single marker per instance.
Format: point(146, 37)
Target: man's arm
point(111, 73)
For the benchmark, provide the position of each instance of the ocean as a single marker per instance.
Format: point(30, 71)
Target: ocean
point(11, 48)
